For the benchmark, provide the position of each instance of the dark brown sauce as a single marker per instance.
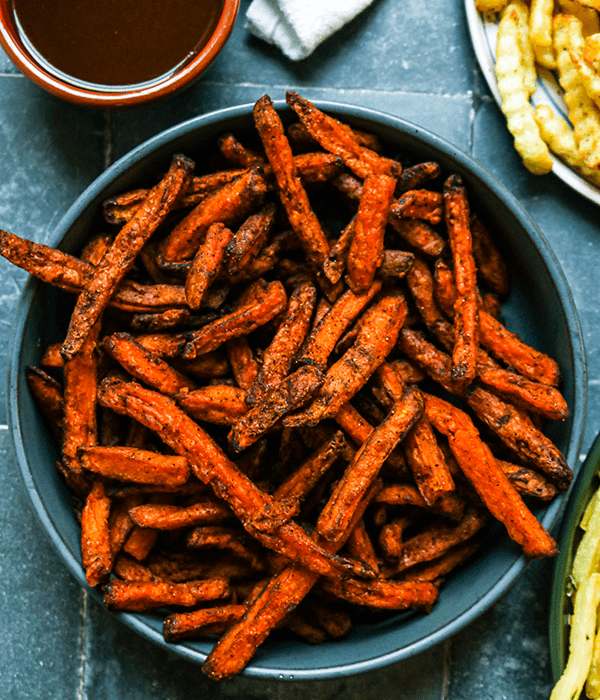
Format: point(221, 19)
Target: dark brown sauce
point(117, 42)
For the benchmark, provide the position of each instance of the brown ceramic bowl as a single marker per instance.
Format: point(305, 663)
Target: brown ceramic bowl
point(109, 95)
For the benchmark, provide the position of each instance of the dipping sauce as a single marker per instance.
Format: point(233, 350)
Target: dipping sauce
point(116, 42)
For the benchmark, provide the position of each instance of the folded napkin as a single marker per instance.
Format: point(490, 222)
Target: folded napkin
point(297, 27)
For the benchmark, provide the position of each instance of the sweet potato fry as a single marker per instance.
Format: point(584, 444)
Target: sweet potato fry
point(237, 153)
point(359, 546)
point(322, 340)
point(232, 539)
point(481, 468)
point(418, 234)
point(508, 347)
point(388, 595)
point(206, 263)
point(416, 176)
point(293, 196)
point(365, 467)
point(128, 569)
point(335, 262)
point(258, 512)
point(339, 139)
point(120, 257)
point(244, 366)
point(366, 249)
point(227, 205)
point(48, 394)
point(141, 542)
point(300, 482)
point(240, 322)
point(418, 204)
point(290, 334)
point(249, 239)
point(96, 552)
point(287, 395)
point(138, 466)
point(212, 365)
point(136, 596)
point(283, 593)
point(466, 316)
point(377, 336)
point(528, 482)
point(143, 365)
point(532, 396)
point(220, 404)
point(434, 570)
point(200, 623)
point(79, 402)
point(208, 511)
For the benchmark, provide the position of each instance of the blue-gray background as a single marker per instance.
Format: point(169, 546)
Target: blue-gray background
point(412, 59)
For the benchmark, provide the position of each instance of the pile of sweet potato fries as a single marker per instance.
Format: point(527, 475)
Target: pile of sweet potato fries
point(248, 396)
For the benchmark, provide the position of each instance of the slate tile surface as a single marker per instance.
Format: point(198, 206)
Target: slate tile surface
point(413, 60)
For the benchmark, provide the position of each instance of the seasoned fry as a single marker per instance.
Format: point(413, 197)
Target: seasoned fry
point(48, 394)
point(389, 595)
point(226, 205)
point(540, 32)
point(481, 468)
point(278, 356)
point(206, 264)
point(365, 467)
point(221, 404)
point(491, 266)
point(249, 239)
point(339, 139)
point(133, 464)
point(377, 336)
point(419, 204)
point(466, 316)
point(366, 249)
point(241, 322)
point(200, 623)
point(136, 596)
point(168, 517)
point(359, 546)
point(96, 551)
point(120, 257)
point(396, 263)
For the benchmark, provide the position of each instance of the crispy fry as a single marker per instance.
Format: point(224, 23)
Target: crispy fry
point(377, 336)
point(389, 595)
point(232, 539)
point(206, 263)
point(322, 340)
point(339, 139)
point(140, 542)
point(359, 546)
point(143, 365)
point(128, 569)
point(513, 88)
point(481, 468)
point(293, 196)
point(528, 482)
point(466, 316)
point(278, 356)
point(227, 205)
point(335, 262)
point(133, 464)
point(396, 263)
point(221, 404)
point(249, 239)
point(419, 204)
point(415, 176)
point(96, 552)
point(432, 571)
point(540, 32)
point(241, 322)
point(366, 249)
point(136, 596)
point(208, 511)
point(491, 266)
point(258, 512)
point(365, 467)
point(200, 623)
point(287, 395)
point(121, 255)
point(533, 396)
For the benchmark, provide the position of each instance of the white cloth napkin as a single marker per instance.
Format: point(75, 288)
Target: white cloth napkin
point(297, 27)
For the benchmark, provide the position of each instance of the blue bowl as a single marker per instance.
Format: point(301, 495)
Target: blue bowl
point(540, 310)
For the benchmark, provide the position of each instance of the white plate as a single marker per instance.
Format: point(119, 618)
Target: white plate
point(483, 35)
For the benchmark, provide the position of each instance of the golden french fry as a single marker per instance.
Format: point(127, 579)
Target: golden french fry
point(592, 684)
point(490, 5)
point(587, 556)
point(591, 49)
point(561, 140)
point(515, 102)
point(587, 15)
point(528, 56)
point(581, 642)
point(583, 113)
point(540, 32)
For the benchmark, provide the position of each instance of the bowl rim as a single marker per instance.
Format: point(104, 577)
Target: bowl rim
point(17, 52)
point(432, 142)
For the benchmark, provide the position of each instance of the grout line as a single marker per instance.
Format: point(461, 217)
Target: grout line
point(81, 671)
point(446, 669)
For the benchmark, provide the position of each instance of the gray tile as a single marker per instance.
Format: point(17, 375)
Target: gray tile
point(505, 654)
point(117, 659)
point(408, 46)
point(40, 603)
